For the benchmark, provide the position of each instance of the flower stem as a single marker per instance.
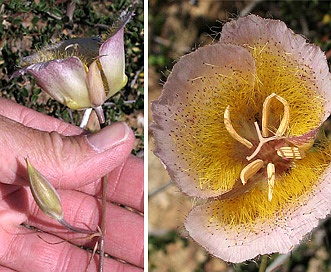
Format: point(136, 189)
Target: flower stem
point(103, 223)
point(86, 116)
point(101, 116)
point(263, 264)
point(64, 223)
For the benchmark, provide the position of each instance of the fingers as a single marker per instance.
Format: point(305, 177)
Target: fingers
point(124, 228)
point(125, 184)
point(23, 250)
point(68, 162)
point(37, 120)
point(6, 269)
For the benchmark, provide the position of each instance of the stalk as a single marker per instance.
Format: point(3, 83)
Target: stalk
point(103, 223)
point(64, 223)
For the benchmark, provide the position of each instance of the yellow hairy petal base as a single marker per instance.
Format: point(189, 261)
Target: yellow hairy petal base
point(290, 191)
point(213, 156)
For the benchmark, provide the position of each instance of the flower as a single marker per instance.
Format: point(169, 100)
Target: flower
point(238, 127)
point(77, 73)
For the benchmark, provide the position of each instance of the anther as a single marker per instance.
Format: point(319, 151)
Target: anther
point(250, 170)
point(291, 152)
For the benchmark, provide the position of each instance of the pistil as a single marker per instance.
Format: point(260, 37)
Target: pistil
point(285, 152)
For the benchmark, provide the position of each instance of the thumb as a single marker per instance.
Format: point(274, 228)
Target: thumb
point(66, 161)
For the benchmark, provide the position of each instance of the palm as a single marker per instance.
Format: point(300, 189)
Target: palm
point(24, 249)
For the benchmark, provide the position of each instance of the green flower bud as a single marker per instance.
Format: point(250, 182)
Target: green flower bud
point(44, 193)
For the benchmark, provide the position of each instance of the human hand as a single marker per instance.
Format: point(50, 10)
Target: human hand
point(74, 163)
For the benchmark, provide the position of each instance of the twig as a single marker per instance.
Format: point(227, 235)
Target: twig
point(70, 115)
point(245, 11)
point(56, 17)
point(160, 189)
point(125, 103)
point(133, 82)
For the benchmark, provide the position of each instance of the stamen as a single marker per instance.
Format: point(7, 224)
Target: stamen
point(231, 130)
point(266, 112)
point(287, 152)
point(271, 179)
point(250, 170)
point(291, 152)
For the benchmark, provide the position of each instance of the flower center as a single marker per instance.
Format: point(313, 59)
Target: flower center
point(270, 150)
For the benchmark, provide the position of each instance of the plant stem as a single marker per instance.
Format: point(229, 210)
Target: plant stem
point(103, 223)
point(86, 116)
point(263, 264)
point(64, 223)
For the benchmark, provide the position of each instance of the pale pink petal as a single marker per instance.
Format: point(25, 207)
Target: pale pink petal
point(274, 35)
point(95, 85)
point(112, 59)
point(63, 79)
point(195, 77)
point(237, 243)
point(240, 243)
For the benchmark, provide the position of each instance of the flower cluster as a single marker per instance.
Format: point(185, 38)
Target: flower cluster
point(238, 127)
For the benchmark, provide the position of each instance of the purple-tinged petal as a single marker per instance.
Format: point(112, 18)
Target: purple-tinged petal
point(112, 59)
point(273, 36)
point(62, 79)
point(284, 230)
point(196, 81)
point(95, 84)
point(236, 244)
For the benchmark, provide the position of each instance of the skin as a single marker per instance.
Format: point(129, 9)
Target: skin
point(74, 163)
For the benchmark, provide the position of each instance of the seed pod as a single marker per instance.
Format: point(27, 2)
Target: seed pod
point(44, 193)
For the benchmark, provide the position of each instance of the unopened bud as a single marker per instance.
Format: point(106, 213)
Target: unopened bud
point(44, 193)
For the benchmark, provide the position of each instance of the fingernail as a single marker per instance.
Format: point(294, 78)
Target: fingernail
point(109, 136)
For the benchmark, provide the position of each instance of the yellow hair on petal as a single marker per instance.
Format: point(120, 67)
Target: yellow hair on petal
point(278, 72)
point(211, 154)
point(290, 190)
point(50, 53)
point(202, 138)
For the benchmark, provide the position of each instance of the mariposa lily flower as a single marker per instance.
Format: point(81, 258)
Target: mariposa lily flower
point(79, 74)
point(238, 127)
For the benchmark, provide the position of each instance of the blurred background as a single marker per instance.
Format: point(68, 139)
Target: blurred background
point(27, 26)
point(177, 28)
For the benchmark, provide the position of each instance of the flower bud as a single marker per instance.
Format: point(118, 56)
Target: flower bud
point(44, 193)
